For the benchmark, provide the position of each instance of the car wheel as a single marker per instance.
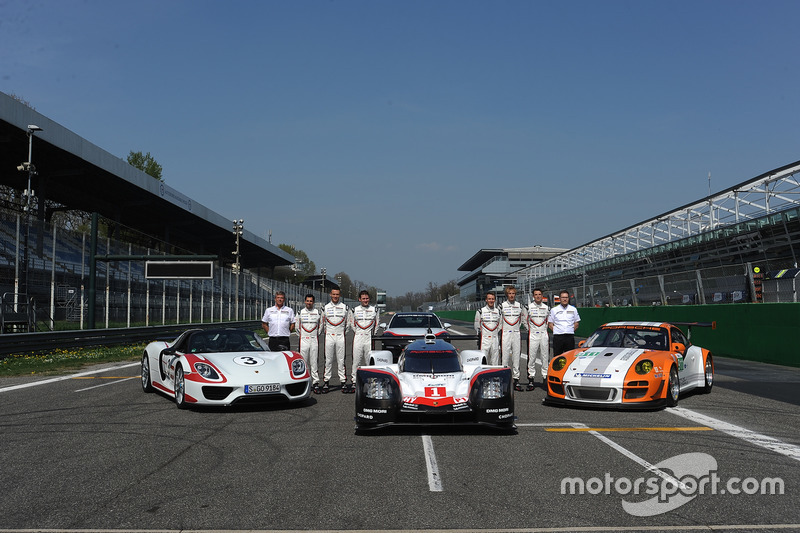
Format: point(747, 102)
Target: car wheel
point(673, 388)
point(147, 385)
point(180, 388)
point(708, 372)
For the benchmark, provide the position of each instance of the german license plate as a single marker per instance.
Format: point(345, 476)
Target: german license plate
point(261, 389)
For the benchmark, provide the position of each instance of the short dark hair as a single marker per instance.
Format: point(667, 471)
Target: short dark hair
point(563, 291)
point(537, 289)
point(280, 293)
point(362, 293)
point(309, 295)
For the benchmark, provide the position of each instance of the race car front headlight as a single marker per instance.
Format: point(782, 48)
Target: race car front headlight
point(206, 370)
point(298, 367)
point(644, 367)
point(378, 388)
point(559, 363)
point(492, 389)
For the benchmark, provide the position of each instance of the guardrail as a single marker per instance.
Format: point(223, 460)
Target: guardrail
point(14, 343)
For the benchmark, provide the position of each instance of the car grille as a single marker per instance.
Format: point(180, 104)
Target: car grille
point(635, 394)
point(296, 389)
point(594, 394)
point(216, 393)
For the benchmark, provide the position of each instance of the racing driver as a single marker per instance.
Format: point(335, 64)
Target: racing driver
point(514, 317)
point(487, 322)
point(335, 319)
point(364, 323)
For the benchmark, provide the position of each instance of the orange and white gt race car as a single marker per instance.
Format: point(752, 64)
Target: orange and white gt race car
point(630, 365)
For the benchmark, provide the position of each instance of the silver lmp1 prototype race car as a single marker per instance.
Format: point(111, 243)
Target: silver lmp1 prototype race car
point(630, 365)
point(405, 327)
point(223, 367)
point(433, 384)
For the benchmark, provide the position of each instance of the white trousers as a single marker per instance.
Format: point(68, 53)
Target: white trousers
point(362, 344)
point(309, 349)
point(490, 346)
point(334, 349)
point(511, 352)
point(538, 352)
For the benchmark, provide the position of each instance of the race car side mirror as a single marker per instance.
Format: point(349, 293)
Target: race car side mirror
point(383, 325)
point(447, 325)
point(581, 343)
point(678, 347)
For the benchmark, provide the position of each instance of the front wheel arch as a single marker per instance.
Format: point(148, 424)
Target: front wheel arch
point(673, 387)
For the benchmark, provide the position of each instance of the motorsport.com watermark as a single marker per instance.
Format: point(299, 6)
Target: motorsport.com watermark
point(677, 481)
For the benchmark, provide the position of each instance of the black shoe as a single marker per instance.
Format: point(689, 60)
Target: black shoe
point(316, 389)
point(352, 389)
point(326, 388)
point(531, 386)
point(517, 386)
point(345, 388)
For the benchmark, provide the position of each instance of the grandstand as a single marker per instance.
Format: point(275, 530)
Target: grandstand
point(725, 248)
point(139, 216)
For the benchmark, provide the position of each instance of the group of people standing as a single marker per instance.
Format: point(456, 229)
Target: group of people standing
point(499, 330)
point(334, 321)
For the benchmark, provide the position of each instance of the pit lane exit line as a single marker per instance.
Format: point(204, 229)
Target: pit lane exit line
point(606, 430)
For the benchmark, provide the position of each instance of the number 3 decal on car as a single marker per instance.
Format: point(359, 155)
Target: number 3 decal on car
point(248, 360)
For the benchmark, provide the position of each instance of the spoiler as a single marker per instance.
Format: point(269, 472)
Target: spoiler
point(690, 325)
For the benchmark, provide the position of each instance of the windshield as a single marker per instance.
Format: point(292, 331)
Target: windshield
point(415, 321)
point(430, 362)
point(215, 341)
point(645, 337)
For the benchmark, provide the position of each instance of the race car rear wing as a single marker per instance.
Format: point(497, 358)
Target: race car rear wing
point(690, 325)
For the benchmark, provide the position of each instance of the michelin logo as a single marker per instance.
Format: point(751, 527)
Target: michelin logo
point(590, 375)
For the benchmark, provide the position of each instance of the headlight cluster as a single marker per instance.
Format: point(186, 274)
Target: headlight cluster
point(206, 370)
point(378, 388)
point(559, 363)
point(492, 389)
point(298, 367)
point(643, 367)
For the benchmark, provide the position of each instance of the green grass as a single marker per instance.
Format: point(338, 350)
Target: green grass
point(60, 361)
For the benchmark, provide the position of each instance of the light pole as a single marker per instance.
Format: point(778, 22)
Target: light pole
point(238, 227)
point(28, 167)
point(324, 271)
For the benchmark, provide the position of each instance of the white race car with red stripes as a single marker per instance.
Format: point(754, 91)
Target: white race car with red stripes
point(223, 367)
point(432, 383)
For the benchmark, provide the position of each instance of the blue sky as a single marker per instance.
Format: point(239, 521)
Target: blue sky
point(392, 140)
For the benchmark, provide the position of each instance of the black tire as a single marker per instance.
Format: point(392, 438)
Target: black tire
point(147, 384)
point(673, 388)
point(708, 372)
point(180, 388)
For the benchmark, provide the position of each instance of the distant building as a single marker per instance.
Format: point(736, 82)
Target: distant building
point(491, 269)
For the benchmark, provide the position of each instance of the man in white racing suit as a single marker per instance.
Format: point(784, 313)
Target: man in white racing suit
point(538, 340)
point(514, 317)
point(364, 323)
point(307, 325)
point(335, 317)
point(487, 324)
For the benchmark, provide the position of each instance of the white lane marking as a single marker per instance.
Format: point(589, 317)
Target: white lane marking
point(434, 479)
point(770, 443)
point(62, 378)
point(621, 449)
point(107, 383)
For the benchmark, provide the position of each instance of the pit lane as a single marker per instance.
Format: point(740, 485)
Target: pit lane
point(97, 453)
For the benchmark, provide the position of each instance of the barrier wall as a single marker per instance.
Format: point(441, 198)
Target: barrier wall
point(765, 332)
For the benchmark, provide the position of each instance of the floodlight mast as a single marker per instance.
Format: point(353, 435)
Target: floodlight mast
point(27, 166)
point(238, 229)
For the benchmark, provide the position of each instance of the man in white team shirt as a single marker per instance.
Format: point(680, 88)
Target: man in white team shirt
point(364, 323)
point(563, 320)
point(538, 339)
point(335, 319)
point(487, 324)
point(514, 317)
point(307, 325)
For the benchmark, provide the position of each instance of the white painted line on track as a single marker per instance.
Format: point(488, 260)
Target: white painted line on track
point(107, 383)
point(770, 443)
point(580, 529)
point(621, 449)
point(434, 479)
point(62, 378)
